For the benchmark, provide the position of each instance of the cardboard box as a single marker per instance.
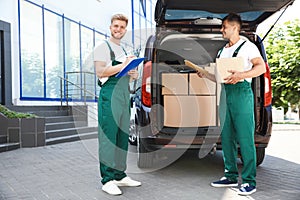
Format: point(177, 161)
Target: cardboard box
point(189, 111)
point(201, 86)
point(174, 83)
point(225, 64)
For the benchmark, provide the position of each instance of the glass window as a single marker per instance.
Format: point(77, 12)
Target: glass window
point(87, 46)
point(98, 38)
point(72, 50)
point(32, 72)
point(143, 7)
point(143, 25)
point(173, 14)
point(136, 29)
point(136, 5)
point(72, 56)
point(144, 35)
point(149, 11)
point(54, 63)
point(58, 46)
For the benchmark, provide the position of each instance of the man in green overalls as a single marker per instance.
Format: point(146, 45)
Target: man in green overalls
point(113, 108)
point(237, 108)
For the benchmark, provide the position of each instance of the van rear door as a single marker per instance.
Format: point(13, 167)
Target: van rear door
point(252, 12)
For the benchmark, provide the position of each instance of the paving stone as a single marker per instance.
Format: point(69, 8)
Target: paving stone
point(71, 171)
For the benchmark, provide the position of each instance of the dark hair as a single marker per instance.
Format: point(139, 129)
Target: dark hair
point(120, 17)
point(233, 17)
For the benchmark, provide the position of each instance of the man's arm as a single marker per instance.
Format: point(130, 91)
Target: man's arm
point(202, 73)
point(209, 76)
point(257, 69)
point(103, 71)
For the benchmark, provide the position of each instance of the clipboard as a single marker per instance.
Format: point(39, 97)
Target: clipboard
point(195, 67)
point(133, 64)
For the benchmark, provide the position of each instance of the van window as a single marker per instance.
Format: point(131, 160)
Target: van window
point(172, 14)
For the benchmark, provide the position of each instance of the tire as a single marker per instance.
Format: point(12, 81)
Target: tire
point(145, 158)
point(260, 155)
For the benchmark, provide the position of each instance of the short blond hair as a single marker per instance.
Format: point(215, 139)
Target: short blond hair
point(120, 17)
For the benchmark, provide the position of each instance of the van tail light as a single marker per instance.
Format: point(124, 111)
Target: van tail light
point(268, 87)
point(146, 84)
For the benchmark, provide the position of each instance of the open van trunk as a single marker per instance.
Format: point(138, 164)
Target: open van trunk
point(187, 100)
point(190, 30)
point(187, 103)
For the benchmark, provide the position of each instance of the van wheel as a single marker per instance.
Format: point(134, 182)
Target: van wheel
point(260, 155)
point(145, 158)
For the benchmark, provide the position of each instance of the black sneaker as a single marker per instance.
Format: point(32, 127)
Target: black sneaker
point(246, 189)
point(224, 182)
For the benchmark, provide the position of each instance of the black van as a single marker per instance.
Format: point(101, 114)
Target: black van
point(175, 109)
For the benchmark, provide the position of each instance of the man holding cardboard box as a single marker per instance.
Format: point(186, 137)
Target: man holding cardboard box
point(237, 105)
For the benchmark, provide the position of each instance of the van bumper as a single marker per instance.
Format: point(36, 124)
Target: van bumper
point(190, 141)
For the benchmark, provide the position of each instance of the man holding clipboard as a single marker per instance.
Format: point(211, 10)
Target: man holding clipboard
point(237, 106)
point(114, 107)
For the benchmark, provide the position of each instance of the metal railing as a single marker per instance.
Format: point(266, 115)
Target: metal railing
point(79, 88)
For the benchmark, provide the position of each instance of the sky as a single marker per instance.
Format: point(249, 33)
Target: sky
point(293, 12)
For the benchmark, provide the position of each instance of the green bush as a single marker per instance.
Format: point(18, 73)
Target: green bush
point(12, 114)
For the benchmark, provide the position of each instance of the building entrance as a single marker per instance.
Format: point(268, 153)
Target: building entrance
point(5, 64)
point(1, 66)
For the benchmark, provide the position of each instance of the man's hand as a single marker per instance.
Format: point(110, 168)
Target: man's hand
point(128, 59)
point(201, 74)
point(205, 74)
point(133, 74)
point(234, 77)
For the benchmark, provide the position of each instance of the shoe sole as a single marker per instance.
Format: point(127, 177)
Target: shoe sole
point(246, 193)
point(120, 184)
point(126, 185)
point(114, 194)
point(224, 185)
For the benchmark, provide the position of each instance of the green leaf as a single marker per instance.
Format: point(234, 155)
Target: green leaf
point(283, 53)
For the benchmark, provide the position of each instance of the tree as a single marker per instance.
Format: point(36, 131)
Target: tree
point(283, 50)
point(32, 75)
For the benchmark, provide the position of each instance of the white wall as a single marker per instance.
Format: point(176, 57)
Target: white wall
point(9, 13)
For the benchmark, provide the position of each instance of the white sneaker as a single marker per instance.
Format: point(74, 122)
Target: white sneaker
point(111, 188)
point(127, 181)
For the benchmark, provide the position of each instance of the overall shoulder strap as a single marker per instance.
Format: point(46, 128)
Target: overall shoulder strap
point(112, 54)
point(219, 52)
point(237, 49)
point(124, 51)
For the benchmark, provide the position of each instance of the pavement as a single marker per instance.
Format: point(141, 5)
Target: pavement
point(70, 171)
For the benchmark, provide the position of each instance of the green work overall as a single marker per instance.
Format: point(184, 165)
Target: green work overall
point(113, 129)
point(237, 127)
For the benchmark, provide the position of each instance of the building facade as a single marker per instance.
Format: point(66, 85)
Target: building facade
point(46, 42)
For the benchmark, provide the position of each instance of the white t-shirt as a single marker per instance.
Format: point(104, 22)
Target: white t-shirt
point(102, 53)
point(248, 51)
